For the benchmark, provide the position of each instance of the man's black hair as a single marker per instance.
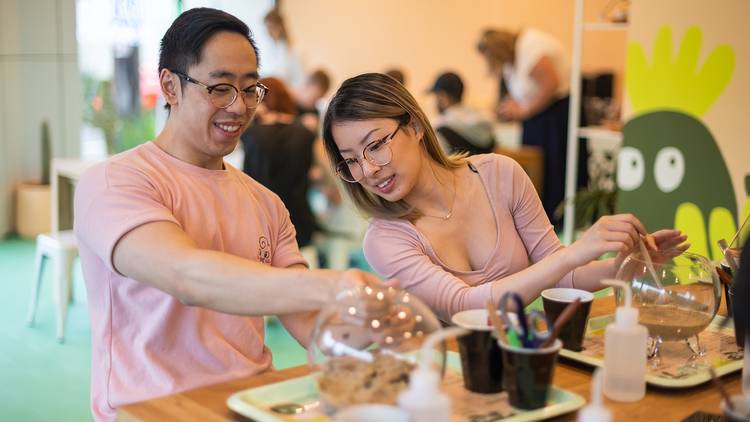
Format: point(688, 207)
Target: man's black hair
point(451, 84)
point(183, 42)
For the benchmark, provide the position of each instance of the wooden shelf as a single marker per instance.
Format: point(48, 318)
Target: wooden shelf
point(605, 26)
point(598, 132)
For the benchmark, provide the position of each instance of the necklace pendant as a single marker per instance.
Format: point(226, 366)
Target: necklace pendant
point(447, 216)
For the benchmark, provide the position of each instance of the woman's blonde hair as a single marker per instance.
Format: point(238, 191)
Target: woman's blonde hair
point(497, 45)
point(378, 96)
point(274, 17)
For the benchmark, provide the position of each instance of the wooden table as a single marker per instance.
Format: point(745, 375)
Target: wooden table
point(209, 403)
point(65, 174)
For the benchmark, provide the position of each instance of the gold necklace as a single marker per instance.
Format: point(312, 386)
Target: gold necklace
point(449, 214)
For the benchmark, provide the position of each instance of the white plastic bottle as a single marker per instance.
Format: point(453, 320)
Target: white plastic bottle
point(625, 351)
point(423, 399)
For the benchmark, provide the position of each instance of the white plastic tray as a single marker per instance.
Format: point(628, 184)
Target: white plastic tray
point(677, 371)
point(256, 403)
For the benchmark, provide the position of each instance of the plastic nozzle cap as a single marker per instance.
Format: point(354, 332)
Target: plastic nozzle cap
point(424, 380)
point(433, 339)
point(625, 316)
point(624, 286)
point(595, 412)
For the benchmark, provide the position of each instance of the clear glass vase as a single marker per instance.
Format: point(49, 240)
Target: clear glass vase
point(677, 295)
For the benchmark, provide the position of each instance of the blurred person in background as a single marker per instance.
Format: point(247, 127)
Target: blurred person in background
point(396, 74)
point(460, 128)
point(310, 97)
point(534, 68)
point(281, 60)
point(279, 155)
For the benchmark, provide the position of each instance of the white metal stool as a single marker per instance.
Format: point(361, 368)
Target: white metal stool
point(61, 248)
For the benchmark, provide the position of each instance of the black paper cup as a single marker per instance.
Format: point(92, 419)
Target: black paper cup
point(527, 374)
point(481, 359)
point(555, 300)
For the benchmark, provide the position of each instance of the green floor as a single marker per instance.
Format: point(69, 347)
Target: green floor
point(43, 380)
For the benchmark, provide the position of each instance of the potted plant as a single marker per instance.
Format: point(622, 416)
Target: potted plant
point(99, 110)
point(33, 198)
point(599, 197)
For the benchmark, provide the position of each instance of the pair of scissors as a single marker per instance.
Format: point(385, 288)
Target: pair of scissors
point(528, 329)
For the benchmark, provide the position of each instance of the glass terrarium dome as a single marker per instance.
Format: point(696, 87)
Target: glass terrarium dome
point(366, 342)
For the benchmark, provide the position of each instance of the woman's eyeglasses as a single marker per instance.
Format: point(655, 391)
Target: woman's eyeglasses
point(377, 152)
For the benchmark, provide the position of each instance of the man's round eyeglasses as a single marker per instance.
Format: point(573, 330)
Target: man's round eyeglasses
point(224, 95)
point(377, 152)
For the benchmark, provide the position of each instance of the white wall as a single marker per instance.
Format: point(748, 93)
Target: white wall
point(38, 81)
point(428, 37)
point(251, 12)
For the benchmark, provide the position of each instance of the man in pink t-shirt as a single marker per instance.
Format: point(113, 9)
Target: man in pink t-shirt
point(183, 254)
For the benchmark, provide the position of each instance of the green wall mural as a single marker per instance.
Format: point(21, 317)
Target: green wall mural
point(670, 171)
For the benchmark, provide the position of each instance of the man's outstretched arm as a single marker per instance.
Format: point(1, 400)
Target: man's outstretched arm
point(161, 255)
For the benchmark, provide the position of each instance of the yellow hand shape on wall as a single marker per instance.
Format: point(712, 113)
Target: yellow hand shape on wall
point(679, 83)
point(670, 171)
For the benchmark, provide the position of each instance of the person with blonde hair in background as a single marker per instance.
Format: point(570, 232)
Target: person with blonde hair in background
point(534, 68)
point(280, 60)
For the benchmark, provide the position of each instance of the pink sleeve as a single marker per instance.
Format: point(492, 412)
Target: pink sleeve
point(287, 251)
point(536, 231)
point(394, 253)
point(110, 201)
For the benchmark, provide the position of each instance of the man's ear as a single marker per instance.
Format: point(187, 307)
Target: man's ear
point(170, 86)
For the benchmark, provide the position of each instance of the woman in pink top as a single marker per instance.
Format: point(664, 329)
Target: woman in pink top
point(457, 231)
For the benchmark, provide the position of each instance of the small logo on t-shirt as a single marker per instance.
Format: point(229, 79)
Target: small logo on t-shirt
point(264, 250)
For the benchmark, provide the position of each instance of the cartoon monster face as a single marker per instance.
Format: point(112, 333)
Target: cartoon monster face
point(669, 159)
point(670, 171)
